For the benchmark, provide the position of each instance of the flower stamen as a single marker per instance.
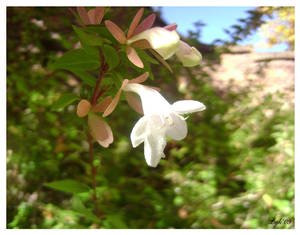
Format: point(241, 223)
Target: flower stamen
point(170, 120)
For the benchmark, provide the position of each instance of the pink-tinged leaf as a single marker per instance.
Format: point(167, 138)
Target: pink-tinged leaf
point(140, 78)
point(83, 14)
point(83, 108)
point(134, 57)
point(115, 31)
point(99, 14)
point(142, 44)
point(102, 106)
point(171, 27)
point(135, 22)
point(157, 56)
point(134, 102)
point(146, 24)
point(100, 130)
point(115, 100)
point(91, 14)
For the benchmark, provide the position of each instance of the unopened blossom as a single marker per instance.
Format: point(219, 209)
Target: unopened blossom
point(160, 120)
point(166, 42)
point(163, 41)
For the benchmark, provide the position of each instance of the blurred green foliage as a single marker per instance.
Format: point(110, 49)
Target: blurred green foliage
point(235, 169)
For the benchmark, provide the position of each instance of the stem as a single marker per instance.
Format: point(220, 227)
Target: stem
point(102, 71)
point(102, 90)
point(94, 99)
point(93, 173)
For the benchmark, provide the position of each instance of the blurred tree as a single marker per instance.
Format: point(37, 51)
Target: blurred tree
point(279, 26)
point(276, 24)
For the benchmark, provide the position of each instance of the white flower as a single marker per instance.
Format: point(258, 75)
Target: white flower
point(163, 41)
point(189, 56)
point(160, 120)
point(167, 43)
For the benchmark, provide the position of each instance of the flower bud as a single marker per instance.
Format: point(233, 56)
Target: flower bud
point(189, 56)
point(163, 41)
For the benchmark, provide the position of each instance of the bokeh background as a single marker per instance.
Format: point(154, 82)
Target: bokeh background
point(235, 169)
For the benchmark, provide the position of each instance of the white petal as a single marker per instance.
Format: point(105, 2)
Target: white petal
point(163, 41)
point(156, 124)
point(189, 56)
point(154, 149)
point(138, 132)
point(177, 129)
point(187, 106)
point(152, 101)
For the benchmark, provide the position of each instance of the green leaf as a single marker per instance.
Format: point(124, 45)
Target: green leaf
point(145, 57)
point(78, 206)
point(91, 51)
point(76, 59)
point(85, 77)
point(102, 31)
point(117, 79)
point(86, 38)
point(114, 221)
point(64, 100)
point(111, 56)
point(68, 186)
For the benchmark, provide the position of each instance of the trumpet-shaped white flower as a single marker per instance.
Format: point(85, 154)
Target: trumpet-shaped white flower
point(160, 120)
point(163, 41)
point(167, 43)
point(189, 56)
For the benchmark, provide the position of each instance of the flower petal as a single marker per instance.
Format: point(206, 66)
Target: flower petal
point(177, 128)
point(133, 57)
point(171, 27)
point(153, 102)
point(140, 78)
point(187, 106)
point(154, 149)
point(83, 15)
point(91, 14)
point(96, 15)
point(154, 88)
point(134, 102)
point(115, 31)
point(163, 41)
point(102, 106)
point(189, 56)
point(100, 130)
point(146, 24)
point(139, 132)
point(135, 22)
point(115, 100)
point(99, 14)
point(141, 44)
point(83, 108)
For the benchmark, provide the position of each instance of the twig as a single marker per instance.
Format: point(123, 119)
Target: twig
point(102, 90)
point(104, 68)
point(93, 173)
point(94, 99)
